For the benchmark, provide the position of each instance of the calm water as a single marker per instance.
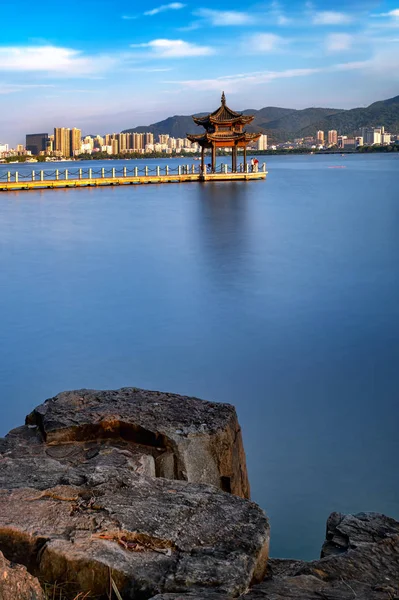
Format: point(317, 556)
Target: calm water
point(281, 297)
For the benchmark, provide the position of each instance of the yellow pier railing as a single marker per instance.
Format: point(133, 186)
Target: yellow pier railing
point(91, 177)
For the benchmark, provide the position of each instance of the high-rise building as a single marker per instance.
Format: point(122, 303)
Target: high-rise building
point(62, 141)
point(98, 141)
point(115, 145)
point(149, 138)
point(163, 138)
point(75, 141)
point(320, 137)
point(123, 141)
point(261, 144)
point(36, 142)
point(385, 138)
point(138, 141)
point(374, 135)
point(332, 137)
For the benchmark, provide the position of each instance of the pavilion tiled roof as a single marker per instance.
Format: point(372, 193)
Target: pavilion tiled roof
point(223, 114)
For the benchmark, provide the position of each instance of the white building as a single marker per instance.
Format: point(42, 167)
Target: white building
point(261, 144)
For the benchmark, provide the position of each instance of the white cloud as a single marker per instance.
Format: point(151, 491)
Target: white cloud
point(163, 48)
point(330, 17)
point(338, 42)
point(224, 18)
point(265, 42)
point(165, 7)
point(394, 14)
point(50, 59)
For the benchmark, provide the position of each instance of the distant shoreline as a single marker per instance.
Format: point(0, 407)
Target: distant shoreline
point(280, 152)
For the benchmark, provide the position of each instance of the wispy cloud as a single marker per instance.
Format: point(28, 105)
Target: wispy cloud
point(164, 48)
point(165, 7)
point(277, 13)
point(232, 82)
point(51, 59)
point(394, 14)
point(264, 43)
point(12, 88)
point(129, 17)
point(338, 42)
point(224, 18)
point(330, 17)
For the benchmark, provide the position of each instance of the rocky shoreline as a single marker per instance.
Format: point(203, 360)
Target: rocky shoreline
point(151, 489)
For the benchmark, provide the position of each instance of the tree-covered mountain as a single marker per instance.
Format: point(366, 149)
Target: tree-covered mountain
point(285, 123)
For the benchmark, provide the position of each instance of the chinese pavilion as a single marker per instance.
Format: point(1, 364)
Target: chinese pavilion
point(224, 128)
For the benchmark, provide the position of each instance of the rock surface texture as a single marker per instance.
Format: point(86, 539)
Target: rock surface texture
point(366, 567)
point(16, 583)
point(130, 483)
point(151, 489)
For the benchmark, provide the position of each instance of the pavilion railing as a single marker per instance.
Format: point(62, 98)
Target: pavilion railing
point(111, 173)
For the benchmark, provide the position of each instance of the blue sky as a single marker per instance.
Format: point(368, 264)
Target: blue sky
point(104, 66)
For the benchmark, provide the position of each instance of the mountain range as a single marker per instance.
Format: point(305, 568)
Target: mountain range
point(281, 124)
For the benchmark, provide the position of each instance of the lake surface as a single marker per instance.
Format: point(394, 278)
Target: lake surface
point(281, 297)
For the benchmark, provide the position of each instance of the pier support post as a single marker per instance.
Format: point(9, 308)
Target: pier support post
point(124, 171)
point(16, 176)
point(103, 172)
point(136, 171)
point(33, 176)
point(179, 170)
point(167, 170)
point(8, 176)
point(193, 169)
point(80, 173)
point(66, 174)
point(158, 172)
point(187, 169)
point(113, 172)
point(225, 169)
point(41, 175)
point(57, 174)
point(146, 171)
point(90, 173)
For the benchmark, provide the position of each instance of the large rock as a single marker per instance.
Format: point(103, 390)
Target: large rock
point(81, 496)
point(345, 532)
point(367, 568)
point(188, 438)
point(17, 584)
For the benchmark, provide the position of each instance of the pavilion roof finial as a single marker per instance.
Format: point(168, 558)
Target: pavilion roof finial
point(223, 99)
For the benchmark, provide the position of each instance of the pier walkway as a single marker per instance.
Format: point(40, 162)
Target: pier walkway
point(72, 178)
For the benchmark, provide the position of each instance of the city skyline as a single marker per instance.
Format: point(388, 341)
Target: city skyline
point(126, 66)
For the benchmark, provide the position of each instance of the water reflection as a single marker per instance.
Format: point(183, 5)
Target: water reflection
point(223, 229)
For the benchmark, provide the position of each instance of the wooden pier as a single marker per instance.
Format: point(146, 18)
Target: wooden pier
point(56, 179)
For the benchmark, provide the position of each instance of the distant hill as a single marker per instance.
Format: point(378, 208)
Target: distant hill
point(281, 124)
